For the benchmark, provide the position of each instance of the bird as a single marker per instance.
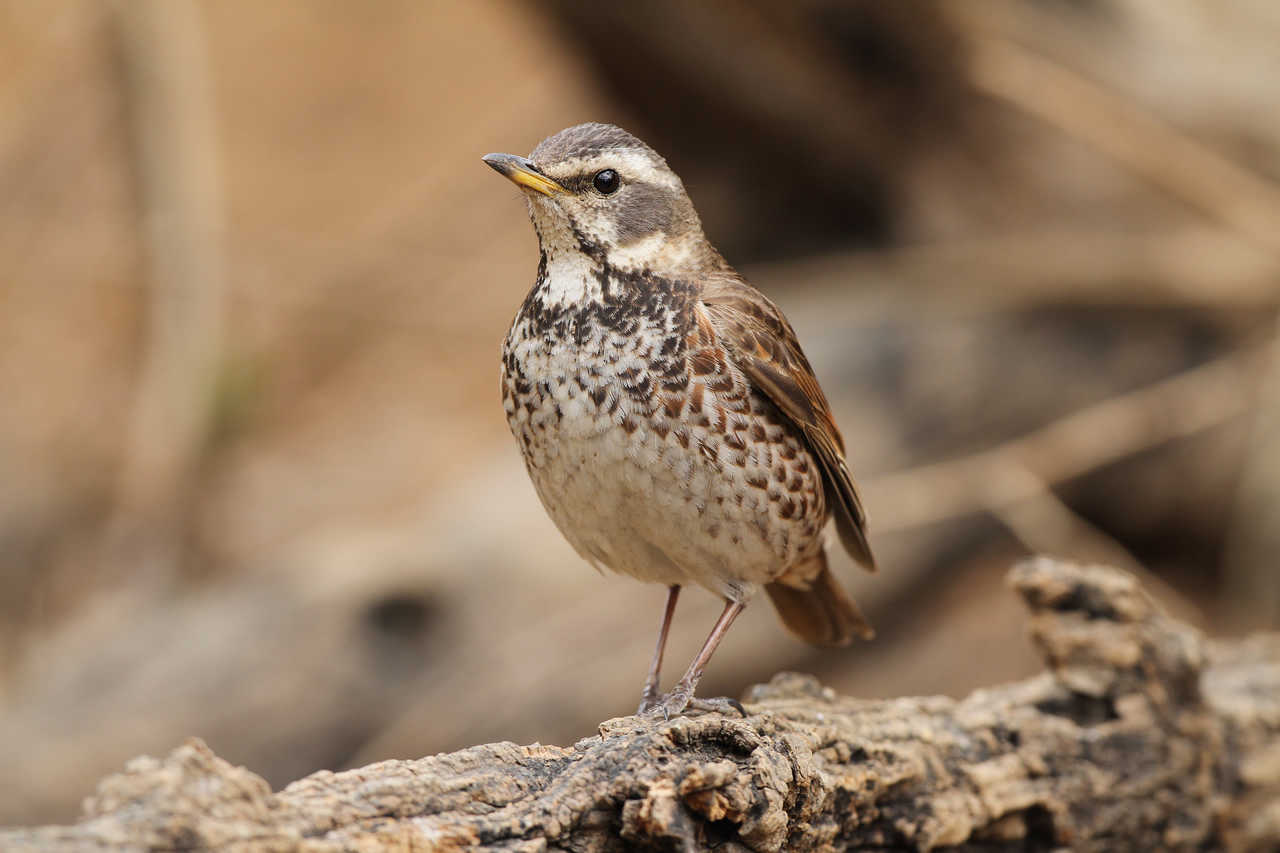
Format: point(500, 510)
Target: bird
point(668, 418)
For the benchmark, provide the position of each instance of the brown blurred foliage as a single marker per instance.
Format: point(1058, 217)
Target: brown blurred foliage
point(256, 278)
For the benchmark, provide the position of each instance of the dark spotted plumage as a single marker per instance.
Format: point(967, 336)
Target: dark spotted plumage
point(668, 418)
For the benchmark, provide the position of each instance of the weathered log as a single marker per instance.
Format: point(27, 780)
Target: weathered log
point(1141, 735)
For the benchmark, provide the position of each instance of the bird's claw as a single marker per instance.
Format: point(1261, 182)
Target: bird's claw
point(666, 706)
point(681, 702)
point(717, 704)
point(648, 702)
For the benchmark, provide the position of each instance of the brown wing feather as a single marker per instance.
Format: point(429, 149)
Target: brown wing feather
point(761, 342)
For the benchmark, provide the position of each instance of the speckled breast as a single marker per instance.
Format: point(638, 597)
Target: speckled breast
point(652, 453)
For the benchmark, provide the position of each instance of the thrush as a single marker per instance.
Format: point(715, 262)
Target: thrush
point(668, 418)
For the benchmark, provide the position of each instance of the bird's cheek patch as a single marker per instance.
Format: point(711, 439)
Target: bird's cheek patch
point(643, 209)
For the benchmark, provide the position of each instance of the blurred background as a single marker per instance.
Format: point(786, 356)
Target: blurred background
point(257, 484)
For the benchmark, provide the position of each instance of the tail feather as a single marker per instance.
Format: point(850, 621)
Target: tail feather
point(824, 614)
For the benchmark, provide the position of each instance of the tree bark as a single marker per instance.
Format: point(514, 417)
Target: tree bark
point(1141, 735)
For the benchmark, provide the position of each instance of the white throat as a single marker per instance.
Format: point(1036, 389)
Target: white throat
point(571, 278)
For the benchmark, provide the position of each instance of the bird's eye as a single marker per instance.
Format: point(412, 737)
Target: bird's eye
point(606, 182)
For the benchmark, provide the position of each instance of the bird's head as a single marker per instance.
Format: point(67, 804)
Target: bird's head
point(597, 190)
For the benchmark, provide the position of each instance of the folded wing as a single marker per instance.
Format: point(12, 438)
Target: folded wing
point(761, 343)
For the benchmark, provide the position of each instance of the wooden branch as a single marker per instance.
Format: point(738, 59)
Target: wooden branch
point(1141, 735)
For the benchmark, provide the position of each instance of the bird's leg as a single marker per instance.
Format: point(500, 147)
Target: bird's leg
point(649, 698)
point(679, 697)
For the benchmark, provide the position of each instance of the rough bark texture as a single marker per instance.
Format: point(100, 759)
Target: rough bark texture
point(1141, 736)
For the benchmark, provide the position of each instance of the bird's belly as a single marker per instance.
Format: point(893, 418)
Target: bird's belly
point(669, 498)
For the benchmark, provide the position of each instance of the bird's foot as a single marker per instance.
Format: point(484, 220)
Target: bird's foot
point(649, 700)
point(716, 705)
point(680, 701)
point(667, 706)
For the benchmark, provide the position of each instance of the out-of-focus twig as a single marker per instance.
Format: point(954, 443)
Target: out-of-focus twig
point(169, 102)
point(1089, 438)
point(1194, 172)
point(1202, 266)
point(1252, 590)
point(1236, 197)
point(1045, 524)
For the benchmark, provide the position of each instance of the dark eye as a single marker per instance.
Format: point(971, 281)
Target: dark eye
point(606, 182)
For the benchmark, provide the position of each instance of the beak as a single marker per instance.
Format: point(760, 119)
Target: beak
point(522, 172)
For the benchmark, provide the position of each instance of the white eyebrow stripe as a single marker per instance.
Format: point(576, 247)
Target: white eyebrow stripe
point(631, 163)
